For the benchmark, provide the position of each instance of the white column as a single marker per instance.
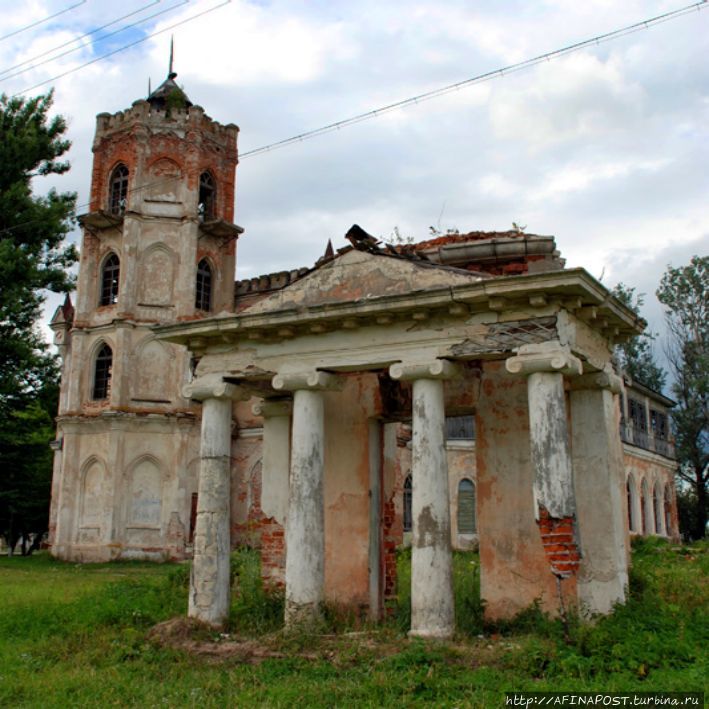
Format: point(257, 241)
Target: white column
point(546, 364)
point(209, 581)
point(599, 482)
point(275, 463)
point(432, 605)
point(305, 525)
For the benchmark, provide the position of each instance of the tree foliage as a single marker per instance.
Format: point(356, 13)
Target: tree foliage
point(636, 356)
point(33, 260)
point(684, 292)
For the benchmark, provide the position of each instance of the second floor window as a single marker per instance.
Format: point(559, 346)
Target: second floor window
point(110, 274)
point(636, 412)
point(658, 421)
point(203, 291)
point(118, 190)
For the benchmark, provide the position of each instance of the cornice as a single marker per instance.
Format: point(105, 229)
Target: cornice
point(573, 290)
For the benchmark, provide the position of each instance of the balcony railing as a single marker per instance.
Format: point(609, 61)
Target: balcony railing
point(643, 439)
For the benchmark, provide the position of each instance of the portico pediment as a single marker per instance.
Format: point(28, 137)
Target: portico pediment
point(359, 275)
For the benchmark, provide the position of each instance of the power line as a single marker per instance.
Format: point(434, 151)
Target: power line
point(42, 21)
point(435, 93)
point(77, 39)
point(124, 47)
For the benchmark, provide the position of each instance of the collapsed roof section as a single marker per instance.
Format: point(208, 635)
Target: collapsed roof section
point(484, 253)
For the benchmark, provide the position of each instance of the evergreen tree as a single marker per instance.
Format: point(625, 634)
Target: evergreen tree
point(33, 260)
point(684, 292)
point(635, 356)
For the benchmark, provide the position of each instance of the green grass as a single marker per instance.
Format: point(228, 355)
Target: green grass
point(77, 635)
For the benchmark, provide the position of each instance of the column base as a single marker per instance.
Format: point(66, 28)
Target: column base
point(432, 633)
point(302, 615)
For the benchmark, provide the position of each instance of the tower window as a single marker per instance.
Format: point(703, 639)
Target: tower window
point(118, 190)
point(102, 373)
point(408, 517)
point(207, 197)
point(109, 280)
point(203, 292)
point(466, 507)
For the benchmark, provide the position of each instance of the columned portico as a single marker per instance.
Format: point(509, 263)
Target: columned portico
point(305, 526)
point(209, 597)
point(432, 606)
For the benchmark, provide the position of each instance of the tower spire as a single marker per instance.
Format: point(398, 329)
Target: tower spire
point(170, 71)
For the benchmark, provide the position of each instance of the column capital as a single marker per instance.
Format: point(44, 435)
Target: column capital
point(607, 379)
point(268, 408)
point(213, 386)
point(544, 357)
point(435, 369)
point(314, 380)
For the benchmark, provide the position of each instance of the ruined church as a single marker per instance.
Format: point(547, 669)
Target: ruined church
point(455, 393)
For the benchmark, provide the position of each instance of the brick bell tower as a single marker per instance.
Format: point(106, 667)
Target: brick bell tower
point(158, 246)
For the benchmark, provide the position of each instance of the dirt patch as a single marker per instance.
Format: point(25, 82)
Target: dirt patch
point(342, 650)
point(195, 638)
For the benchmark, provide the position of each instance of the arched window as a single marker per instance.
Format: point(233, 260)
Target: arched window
point(646, 508)
point(668, 510)
point(466, 507)
point(408, 517)
point(118, 190)
point(203, 290)
point(102, 373)
point(207, 197)
point(109, 280)
point(659, 515)
point(631, 492)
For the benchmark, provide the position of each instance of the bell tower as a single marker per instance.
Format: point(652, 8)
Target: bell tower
point(159, 246)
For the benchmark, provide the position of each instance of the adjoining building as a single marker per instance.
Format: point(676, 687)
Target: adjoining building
point(458, 392)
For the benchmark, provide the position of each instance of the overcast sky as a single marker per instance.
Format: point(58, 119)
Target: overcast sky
point(606, 148)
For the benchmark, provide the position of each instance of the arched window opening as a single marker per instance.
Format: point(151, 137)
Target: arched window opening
point(102, 373)
point(668, 510)
point(203, 290)
point(643, 508)
point(207, 197)
point(118, 190)
point(466, 507)
point(408, 516)
point(659, 513)
point(110, 274)
point(630, 489)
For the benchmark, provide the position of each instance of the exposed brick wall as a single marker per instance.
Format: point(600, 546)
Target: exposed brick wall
point(392, 537)
point(263, 533)
point(559, 543)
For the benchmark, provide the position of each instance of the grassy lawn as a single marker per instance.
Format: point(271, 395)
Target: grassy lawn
point(80, 635)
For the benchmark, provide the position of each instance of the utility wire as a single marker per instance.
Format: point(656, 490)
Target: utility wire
point(77, 39)
point(435, 93)
point(42, 21)
point(124, 47)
